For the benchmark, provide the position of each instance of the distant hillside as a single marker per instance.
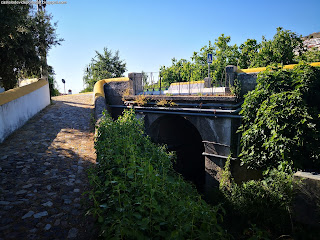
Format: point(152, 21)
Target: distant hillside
point(312, 35)
point(312, 41)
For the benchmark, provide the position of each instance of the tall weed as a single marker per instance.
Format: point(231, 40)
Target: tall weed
point(138, 195)
point(260, 204)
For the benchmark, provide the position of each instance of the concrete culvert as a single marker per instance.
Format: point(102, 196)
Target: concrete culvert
point(182, 137)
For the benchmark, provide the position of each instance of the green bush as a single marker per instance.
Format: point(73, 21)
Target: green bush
point(265, 204)
point(281, 119)
point(87, 89)
point(280, 133)
point(138, 195)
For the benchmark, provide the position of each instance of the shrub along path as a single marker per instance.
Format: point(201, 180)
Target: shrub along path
point(43, 173)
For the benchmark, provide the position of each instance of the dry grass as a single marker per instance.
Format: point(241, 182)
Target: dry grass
point(164, 102)
point(141, 100)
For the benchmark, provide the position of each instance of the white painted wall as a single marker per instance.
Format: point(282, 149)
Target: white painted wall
point(16, 113)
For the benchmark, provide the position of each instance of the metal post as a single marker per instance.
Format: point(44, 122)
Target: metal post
point(189, 81)
point(64, 85)
point(134, 84)
point(151, 78)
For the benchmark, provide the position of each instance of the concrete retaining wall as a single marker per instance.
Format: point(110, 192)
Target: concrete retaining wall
point(100, 103)
point(306, 204)
point(248, 82)
point(110, 92)
point(18, 105)
point(248, 77)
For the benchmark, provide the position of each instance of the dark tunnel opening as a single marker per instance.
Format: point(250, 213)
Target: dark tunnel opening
point(182, 137)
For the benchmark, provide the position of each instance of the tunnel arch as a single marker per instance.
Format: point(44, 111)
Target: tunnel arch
point(181, 136)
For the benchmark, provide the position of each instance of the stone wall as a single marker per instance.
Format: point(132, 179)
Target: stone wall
point(248, 82)
point(218, 136)
point(307, 198)
point(111, 91)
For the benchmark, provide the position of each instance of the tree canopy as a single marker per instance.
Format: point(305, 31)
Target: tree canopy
point(103, 65)
point(286, 47)
point(26, 36)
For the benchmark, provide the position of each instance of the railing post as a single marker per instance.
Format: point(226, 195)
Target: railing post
point(136, 79)
point(230, 76)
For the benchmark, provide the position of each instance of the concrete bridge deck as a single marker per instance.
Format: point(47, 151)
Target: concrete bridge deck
point(43, 173)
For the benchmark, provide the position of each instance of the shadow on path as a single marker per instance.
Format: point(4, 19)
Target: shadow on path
point(43, 173)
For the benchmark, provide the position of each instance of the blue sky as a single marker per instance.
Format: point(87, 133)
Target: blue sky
point(149, 34)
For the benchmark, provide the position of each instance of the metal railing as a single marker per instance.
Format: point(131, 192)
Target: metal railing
point(153, 85)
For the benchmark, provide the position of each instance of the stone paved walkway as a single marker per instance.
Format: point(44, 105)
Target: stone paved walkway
point(43, 173)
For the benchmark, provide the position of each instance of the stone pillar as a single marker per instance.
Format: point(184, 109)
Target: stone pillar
point(231, 74)
point(207, 82)
point(136, 79)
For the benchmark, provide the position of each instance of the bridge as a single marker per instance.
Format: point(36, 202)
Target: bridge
point(196, 120)
point(200, 126)
point(42, 165)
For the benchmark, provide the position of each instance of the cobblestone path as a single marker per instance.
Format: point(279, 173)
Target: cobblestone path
point(43, 173)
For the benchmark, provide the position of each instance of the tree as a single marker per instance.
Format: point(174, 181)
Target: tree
point(312, 55)
point(22, 30)
point(247, 53)
point(223, 54)
point(46, 37)
point(285, 47)
point(16, 43)
point(52, 82)
point(102, 66)
point(281, 49)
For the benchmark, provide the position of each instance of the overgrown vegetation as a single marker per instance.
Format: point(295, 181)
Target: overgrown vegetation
point(138, 195)
point(280, 134)
point(236, 89)
point(281, 119)
point(165, 102)
point(264, 205)
point(52, 86)
point(141, 100)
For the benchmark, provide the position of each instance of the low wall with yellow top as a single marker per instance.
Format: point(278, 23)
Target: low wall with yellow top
point(100, 96)
point(111, 91)
point(261, 69)
point(18, 105)
point(99, 86)
point(248, 77)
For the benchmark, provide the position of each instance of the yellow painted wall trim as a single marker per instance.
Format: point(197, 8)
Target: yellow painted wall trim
point(315, 64)
point(98, 87)
point(182, 83)
point(260, 69)
point(16, 93)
